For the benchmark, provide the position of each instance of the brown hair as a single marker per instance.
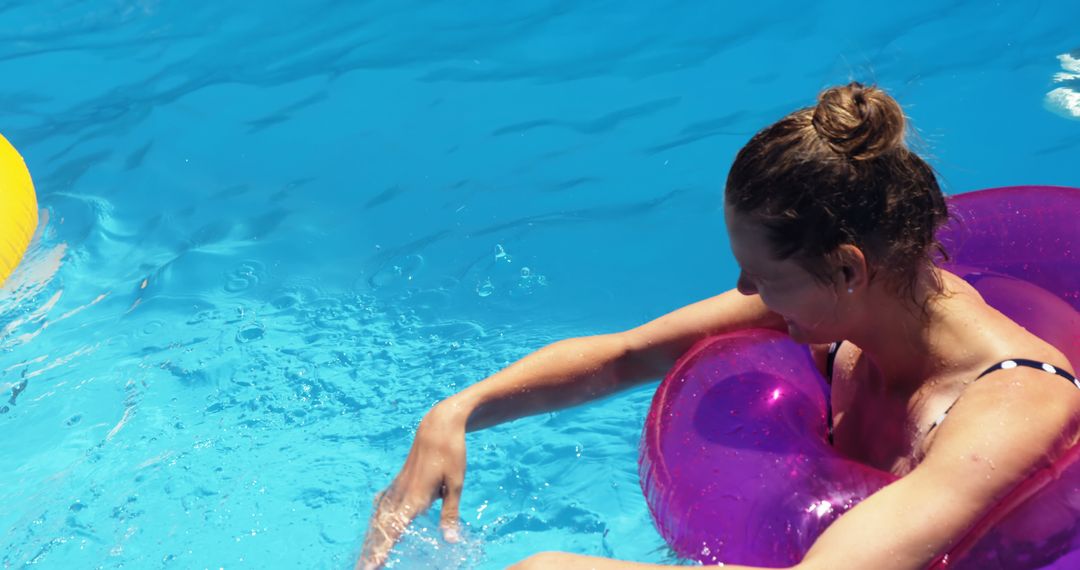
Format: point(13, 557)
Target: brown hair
point(840, 173)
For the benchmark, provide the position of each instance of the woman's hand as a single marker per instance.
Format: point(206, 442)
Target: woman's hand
point(435, 468)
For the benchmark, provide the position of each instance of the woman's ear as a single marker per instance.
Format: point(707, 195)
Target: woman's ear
point(854, 272)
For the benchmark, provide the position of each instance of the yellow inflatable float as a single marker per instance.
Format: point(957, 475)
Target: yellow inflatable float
point(18, 208)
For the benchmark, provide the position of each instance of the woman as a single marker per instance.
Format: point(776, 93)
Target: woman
point(832, 221)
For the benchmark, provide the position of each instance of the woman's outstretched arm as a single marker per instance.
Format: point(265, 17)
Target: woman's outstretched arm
point(560, 375)
point(577, 370)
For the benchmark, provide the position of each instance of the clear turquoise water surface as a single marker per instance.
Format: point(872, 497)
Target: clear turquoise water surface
point(278, 232)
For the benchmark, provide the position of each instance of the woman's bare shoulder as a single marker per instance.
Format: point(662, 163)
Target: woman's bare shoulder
point(1025, 410)
point(991, 336)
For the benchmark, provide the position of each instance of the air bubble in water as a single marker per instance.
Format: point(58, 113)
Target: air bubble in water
point(485, 288)
point(250, 333)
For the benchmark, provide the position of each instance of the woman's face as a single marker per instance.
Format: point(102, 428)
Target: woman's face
point(810, 308)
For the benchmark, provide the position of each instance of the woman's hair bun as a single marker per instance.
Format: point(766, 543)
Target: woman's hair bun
point(859, 122)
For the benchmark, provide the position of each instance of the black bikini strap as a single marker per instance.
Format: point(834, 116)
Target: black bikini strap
point(829, 359)
point(1007, 365)
point(1014, 362)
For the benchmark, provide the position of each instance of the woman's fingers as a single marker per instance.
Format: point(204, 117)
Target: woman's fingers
point(449, 518)
point(393, 513)
point(435, 468)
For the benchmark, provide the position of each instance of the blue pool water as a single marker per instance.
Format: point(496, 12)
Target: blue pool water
point(278, 232)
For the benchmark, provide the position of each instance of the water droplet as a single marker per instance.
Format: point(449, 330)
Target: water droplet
point(254, 331)
point(501, 255)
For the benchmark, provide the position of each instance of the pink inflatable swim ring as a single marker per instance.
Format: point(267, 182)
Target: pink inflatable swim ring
point(735, 462)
